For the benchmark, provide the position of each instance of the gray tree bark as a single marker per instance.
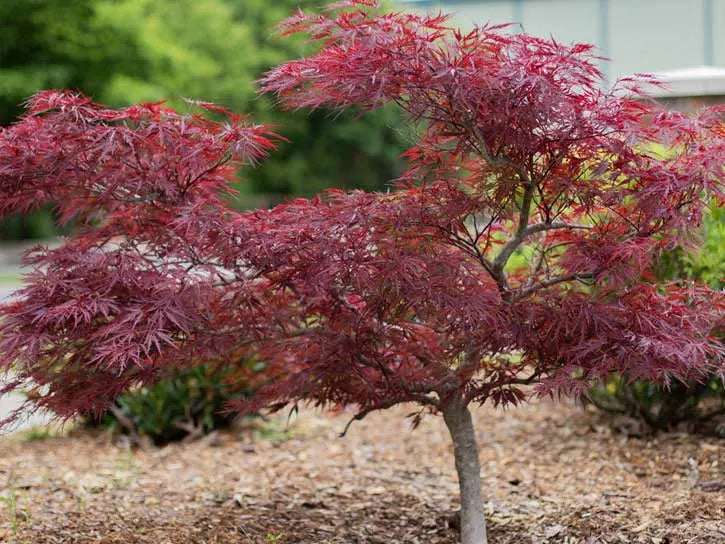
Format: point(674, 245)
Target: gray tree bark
point(473, 519)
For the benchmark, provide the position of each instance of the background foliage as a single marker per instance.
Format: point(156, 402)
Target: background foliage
point(707, 264)
point(125, 51)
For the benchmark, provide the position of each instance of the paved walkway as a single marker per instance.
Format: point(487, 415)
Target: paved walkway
point(7, 290)
point(10, 272)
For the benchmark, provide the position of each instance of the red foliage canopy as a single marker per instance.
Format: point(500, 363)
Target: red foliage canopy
point(364, 298)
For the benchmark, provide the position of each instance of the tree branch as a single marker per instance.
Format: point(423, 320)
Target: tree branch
point(424, 399)
point(522, 233)
point(544, 226)
point(553, 281)
point(509, 247)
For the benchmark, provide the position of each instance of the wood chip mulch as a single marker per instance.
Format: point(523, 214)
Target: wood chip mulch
point(552, 473)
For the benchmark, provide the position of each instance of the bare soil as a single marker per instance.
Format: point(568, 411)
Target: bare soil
point(552, 473)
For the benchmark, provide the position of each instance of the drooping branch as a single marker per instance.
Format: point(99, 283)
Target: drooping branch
point(426, 400)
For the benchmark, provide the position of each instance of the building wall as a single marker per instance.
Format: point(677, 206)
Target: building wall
point(636, 35)
point(718, 25)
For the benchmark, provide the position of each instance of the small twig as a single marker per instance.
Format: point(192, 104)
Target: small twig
point(194, 431)
point(127, 424)
point(553, 281)
point(357, 417)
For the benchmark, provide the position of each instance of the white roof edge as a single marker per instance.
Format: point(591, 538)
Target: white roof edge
point(693, 81)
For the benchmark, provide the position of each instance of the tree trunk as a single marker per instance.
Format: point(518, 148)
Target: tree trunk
point(473, 520)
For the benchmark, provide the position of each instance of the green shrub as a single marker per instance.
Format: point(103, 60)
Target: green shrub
point(661, 408)
point(188, 405)
point(696, 405)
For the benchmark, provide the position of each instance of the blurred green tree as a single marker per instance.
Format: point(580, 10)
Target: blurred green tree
point(45, 44)
point(124, 51)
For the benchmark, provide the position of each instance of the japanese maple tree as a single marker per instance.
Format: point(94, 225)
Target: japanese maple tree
point(514, 251)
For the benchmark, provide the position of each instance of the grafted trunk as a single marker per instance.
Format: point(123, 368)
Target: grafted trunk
point(460, 425)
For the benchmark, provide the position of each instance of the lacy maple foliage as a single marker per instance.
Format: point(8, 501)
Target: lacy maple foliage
point(513, 251)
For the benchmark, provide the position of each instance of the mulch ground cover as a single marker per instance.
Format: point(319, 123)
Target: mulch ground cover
point(552, 474)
